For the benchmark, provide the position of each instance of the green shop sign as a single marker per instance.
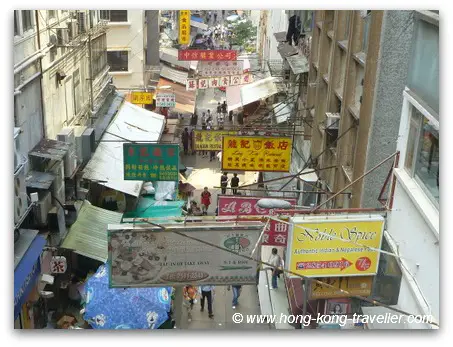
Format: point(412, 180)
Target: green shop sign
point(151, 162)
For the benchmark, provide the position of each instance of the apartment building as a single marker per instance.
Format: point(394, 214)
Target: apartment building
point(342, 78)
point(126, 50)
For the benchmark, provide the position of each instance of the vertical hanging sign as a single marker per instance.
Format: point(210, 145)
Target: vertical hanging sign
point(184, 27)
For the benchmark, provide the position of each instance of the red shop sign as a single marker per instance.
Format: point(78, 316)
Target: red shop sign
point(206, 55)
point(276, 233)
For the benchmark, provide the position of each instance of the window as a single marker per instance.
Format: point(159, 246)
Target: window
point(51, 14)
point(366, 32)
point(118, 60)
point(423, 76)
point(16, 24)
point(27, 21)
point(114, 15)
point(99, 54)
point(422, 156)
point(77, 91)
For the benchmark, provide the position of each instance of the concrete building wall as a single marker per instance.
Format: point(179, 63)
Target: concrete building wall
point(129, 36)
point(391, 77)
point(278, 22)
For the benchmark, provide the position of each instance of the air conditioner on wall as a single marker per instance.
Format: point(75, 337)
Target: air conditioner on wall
point(58, 185)
point(332, 120)
point(20, 194)
point(62, 37)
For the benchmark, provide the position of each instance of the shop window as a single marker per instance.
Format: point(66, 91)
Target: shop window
point(422, 155)
point(27, 20)
point(118, 60)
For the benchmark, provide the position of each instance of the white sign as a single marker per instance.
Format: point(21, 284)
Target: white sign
point(220, 68)
point(150, 257)
point(166, 100)
point(216, 82)
point(58, 265)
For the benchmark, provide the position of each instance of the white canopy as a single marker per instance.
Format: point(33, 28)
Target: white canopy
point(258, 90)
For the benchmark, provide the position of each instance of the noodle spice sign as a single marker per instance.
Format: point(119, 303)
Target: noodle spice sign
point(206, 55)
point(217, 82)
point(151, 162)
point(330, 247)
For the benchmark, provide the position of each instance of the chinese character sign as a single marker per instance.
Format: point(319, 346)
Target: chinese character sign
point(256, 153)
point(216, 82)
point(276, 233)
point(151, 162)
point(142, 98)
point(206, 55)
point(220, 68)
point(327, 246)
point(184, 27)
point(210, 140)
point(166, 100)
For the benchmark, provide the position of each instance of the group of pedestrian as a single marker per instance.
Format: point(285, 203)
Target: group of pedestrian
point(234, 183)
point(206, 294)
point(188, 141)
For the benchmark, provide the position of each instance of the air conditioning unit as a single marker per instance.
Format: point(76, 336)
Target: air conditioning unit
point(70, 161)
point(62, 37)
point(20, 194)
point(42, 208)
point(332, 120)
point(66, 135)
point(73, 28)
point(82, 22)
point(78, 132)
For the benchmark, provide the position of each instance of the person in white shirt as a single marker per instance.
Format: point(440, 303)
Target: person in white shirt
point(276, 261)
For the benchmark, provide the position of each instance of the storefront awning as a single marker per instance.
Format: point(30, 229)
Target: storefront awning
point(148, 207)
point(185, 100)
point(88, 235)
point(198, 25)
point(258, 90)
point(174, 75)
point(28, 266)
point(233, 97)
point(132, 123)
point(298, 63)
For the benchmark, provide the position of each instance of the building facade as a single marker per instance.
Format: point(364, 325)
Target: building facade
point(126, 52)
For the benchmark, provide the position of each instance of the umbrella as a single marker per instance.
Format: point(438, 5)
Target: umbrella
point(129, 308)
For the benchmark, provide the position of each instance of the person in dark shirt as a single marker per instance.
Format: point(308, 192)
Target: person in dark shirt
point(224, 182)
point(235, 183)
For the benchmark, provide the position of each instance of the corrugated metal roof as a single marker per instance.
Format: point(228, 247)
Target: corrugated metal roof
point(50, 149)
point(132, 123)
point(88, 235)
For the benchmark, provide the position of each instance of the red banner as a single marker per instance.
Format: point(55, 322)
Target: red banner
point(206, 55)
point(276, 233)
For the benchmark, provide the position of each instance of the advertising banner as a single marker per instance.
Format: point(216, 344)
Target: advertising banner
point(184, 27)
point(166, 100)
point(142, 98)
point(357, 285)
point(141, 256)
point(216, 82)
point(206, 55)
point(151, 162)
point(220, 68)
point(256, 153)
point(210, 140)
point(339, 250)
point(276, 233)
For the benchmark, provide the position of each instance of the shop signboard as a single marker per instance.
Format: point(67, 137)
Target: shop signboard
point(206, 55)
point(217, 82)
point(210, 140)
point(166, 100)
point(220, 68)
point(142, 256)
point(256, 153)
point(276, 233)
point(151, 162)
point(357, 285)
point(329, 246)
point(184, 27)
point(142, 98)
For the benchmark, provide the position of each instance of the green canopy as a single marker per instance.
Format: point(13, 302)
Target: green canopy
point(148, 207)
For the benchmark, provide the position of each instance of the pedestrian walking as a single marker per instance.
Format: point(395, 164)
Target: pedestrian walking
point(230, 116)
point(203, 121)
point(224, 182)
point(215, 16)
point(224, 108)
point(190, 295)
point(207, 292)
point(192, 142)
point(211, 155)
point(219, 108)
point(241, 118)
point(276, 261)
point(205, 200)
point(195, 120)
point(185, 140)
point(237, 289)
point(235, 183)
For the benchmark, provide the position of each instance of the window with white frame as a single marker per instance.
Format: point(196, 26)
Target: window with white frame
point(422, 154)
point(118, 60)
point(114, 15)
point(27, 20)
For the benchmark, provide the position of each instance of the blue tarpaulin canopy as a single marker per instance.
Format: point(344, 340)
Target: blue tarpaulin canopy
point(118, 308)
point(196, 19)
